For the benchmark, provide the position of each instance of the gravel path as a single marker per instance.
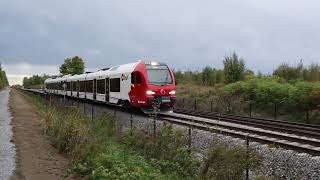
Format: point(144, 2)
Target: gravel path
point(36, 158)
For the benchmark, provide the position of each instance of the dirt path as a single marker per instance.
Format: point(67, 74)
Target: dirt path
point(36, 158)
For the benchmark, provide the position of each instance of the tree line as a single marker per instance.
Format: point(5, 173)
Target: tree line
point(235, 70)
point(310, 73)
point(35, 81)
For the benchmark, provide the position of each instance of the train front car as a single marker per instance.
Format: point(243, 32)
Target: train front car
point(153, 84)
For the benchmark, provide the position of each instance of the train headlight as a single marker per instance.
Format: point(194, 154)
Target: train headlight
point(172, 92)
point(149, 92)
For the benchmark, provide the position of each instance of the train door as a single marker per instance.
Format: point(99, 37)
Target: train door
point(136, 88)
point(94, 89)
point(107, 89)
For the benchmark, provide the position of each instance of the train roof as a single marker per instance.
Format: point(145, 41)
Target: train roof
point(76, 77)
point(119, 69)
point(53, 80)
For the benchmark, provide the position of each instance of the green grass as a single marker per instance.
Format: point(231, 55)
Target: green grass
point(100, 151)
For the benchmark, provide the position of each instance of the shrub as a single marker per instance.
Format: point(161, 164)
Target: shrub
point(225, 162)
point(168, 150)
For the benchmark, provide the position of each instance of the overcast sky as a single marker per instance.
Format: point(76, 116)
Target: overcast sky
point(36, 35)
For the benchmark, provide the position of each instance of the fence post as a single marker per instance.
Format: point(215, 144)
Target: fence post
point(247, 154)
point(190, 141)
point(228, 108)
point(49, 101)
point(154, 126)
point(131, 124)
point(155, 116)
point(182, 102)
point(250, 109)
point(275, 111)
point(307, 117)
point(92, 112)
point(211, 109)
point(84, 110)
point(114, 113)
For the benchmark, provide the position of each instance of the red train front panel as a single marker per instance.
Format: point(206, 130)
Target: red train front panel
point(152, 83)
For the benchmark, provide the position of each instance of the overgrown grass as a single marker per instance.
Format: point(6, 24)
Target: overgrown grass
point(99, 150)
point(224, 162)
point(167, 150)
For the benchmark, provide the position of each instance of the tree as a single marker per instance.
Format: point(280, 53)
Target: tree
point(234, 68)
point(74, 65)
point(3, 78)
point(35, 81)
point(287, 72)
point(206, 75)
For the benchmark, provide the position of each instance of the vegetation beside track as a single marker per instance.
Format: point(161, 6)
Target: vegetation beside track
point(99, 150)
point(290, 93)
point(3, 78)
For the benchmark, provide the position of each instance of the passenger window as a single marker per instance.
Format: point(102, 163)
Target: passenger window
point(115, 85)
point(139, 79)
point(132, 78)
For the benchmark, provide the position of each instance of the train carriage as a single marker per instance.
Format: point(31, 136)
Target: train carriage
point(136, 84)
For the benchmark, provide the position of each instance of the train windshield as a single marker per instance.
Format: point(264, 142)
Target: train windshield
point(159, 75)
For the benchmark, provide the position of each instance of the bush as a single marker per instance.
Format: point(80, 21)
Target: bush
point(225, 162)
point(168, 150)
point(303, 95)
point(3, 79)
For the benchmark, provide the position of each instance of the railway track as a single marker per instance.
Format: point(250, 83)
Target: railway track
point(300, 137)
point(266, 136)
point(308, 130)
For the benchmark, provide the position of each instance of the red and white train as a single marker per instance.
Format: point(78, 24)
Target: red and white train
point(136, 84)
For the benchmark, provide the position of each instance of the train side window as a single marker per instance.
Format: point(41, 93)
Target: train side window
point(115, 85)
point(74, 86)
point(138, 78)
point(89, 86)
point(68, 86)
point(132, 78)
point(82, 86)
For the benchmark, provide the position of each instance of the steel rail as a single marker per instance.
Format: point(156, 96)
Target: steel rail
point(288, 141)
point(282, 126)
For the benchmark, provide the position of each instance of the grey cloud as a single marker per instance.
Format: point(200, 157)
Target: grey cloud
point(186, 34)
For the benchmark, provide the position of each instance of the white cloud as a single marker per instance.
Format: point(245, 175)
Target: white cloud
point(16, 72)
